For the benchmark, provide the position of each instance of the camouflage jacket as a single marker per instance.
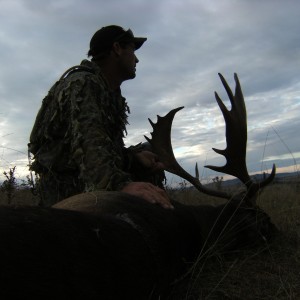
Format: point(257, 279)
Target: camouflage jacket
point(78, 133)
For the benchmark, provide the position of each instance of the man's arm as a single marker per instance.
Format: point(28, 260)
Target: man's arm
point(146, 190)
point(97, 155)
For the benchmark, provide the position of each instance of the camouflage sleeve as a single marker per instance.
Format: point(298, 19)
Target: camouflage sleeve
point(97, 155)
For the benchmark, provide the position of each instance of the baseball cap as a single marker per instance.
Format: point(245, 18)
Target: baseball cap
point(104, 38)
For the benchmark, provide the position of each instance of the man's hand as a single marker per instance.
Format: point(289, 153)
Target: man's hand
point(150, 161)
point(149, 192)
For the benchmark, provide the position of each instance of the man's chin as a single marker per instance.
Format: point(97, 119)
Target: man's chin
point(131, 76)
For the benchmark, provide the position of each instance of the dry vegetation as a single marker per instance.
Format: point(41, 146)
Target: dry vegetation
point(271, 272)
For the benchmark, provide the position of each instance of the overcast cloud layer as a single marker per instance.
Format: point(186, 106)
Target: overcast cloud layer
point(189, 42)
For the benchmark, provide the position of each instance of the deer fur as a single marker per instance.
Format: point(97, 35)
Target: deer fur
point(109, 245)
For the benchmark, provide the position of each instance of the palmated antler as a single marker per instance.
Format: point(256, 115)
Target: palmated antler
point(235, 152)
point(236, 137)
point(162, 146)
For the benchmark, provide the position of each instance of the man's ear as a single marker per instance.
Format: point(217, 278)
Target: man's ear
point(116, 48)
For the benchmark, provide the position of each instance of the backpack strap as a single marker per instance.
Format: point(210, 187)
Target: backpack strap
point(75, 69)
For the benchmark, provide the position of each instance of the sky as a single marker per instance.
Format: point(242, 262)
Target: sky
point(189, 43)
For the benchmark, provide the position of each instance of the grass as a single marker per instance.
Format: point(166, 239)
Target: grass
point(20, 197)
point(269, 272)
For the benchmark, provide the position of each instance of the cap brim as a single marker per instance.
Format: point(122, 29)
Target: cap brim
point(139, 41)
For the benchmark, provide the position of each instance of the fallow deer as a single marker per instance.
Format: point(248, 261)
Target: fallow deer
point(110, 245)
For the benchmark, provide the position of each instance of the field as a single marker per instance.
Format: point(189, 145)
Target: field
point(270, 272)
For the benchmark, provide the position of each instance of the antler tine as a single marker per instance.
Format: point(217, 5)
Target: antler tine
point(236, 137)
point(161, 139)
point(162, 146)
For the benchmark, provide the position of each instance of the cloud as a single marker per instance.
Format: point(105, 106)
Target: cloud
point(188, 44)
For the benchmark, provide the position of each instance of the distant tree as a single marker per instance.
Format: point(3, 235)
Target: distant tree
point(9, 185)
point(264, 175)
point(218, 182)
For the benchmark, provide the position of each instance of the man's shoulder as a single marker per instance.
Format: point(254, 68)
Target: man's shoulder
point(83, 74)
point(85, 69)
